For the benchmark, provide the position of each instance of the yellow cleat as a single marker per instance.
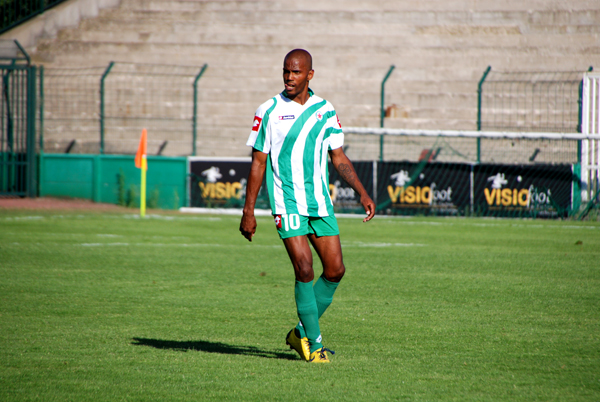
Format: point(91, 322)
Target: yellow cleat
point(319, 356)
point(300, 345)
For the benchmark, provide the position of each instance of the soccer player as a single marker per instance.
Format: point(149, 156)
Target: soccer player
point(291, 136)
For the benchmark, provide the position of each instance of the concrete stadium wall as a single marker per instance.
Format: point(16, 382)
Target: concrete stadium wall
point(440, 49)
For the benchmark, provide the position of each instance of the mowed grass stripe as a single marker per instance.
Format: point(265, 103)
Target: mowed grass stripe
point(481, 310)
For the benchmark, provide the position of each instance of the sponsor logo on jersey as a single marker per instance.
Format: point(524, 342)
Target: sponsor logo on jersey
point(319, 116)
point(287, 117)
point(256, 123)
point(277, 219)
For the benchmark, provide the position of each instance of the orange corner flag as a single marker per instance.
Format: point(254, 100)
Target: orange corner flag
point(140, 156)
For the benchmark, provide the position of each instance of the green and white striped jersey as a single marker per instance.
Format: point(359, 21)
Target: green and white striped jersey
point(297, 137)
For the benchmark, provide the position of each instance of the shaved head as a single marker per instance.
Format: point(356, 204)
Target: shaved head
point(297, 72)
point(300, 54)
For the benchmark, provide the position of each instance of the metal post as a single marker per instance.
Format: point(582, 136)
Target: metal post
point(481, 81)
point(9, 113)
point(23, 51)
point(40, 170)
point(31, 115)
point(195, 113)
point(110, 66)
point(375, 182)
point(41, 109)
point(580, 114)
point(382, 110)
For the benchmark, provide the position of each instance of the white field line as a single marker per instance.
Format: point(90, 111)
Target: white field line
point(377, 245)
point(352, 244)
point(402, 220)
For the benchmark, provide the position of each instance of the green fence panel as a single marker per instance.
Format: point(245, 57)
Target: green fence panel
point(67, 176)
point(114, 179)
point(166, 181)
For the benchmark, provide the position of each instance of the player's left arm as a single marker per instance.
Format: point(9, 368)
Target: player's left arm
point(344, 167)
point(255, 178)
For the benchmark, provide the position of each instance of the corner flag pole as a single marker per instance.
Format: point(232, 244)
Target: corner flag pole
point(143, 188)
point(141, 162)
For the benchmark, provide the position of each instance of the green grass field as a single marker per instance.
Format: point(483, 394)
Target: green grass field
point(106, 307)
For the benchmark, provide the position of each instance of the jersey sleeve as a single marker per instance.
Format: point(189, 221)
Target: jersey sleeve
point(260, 135)
point(336, 139)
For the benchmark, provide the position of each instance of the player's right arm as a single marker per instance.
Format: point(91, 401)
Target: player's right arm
point(255, 179)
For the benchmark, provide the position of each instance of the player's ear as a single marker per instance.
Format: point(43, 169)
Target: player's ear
point(311, 73)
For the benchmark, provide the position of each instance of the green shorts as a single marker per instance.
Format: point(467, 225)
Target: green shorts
point(290, 225)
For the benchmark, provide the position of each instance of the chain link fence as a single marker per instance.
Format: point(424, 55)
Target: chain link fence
point(530, 101)
point(103, 109)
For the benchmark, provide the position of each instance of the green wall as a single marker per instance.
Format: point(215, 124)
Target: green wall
point(98, 177)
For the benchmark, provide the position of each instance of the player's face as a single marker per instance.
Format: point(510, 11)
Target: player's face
point(296, 75)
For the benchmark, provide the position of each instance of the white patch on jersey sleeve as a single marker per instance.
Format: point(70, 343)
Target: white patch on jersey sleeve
point(336, 140)
point(260, 114)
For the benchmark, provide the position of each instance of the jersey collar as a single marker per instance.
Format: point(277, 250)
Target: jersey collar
point(310, 93)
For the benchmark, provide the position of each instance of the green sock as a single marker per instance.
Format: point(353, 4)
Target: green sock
point(323, 291)
point(308, 313)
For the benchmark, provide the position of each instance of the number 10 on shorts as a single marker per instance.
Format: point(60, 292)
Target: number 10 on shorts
point(287, 221)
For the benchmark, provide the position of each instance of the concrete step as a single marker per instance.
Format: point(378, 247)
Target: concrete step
point(464, 37)
point(265, 16)
point(358, 5)
point(363, 57)
point(436, 65)
point(192, 28)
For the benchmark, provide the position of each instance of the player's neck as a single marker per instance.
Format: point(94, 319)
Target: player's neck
point(300, 98)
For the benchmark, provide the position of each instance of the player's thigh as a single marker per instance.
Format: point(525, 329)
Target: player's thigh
point(301, 257)
point(329, 250)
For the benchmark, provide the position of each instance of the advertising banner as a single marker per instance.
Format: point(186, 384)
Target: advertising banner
point(408, 188)
point(423, 188)
point(522, 190)
point(220, 183)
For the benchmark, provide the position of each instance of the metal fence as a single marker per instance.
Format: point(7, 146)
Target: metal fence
point(103, 109)
point(516, 174)
point(18, 111)
point(590, 149)
point(14, 12)
point(530, 101)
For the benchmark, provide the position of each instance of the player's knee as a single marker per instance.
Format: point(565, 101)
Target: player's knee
point(335, 273)
point(304, 270)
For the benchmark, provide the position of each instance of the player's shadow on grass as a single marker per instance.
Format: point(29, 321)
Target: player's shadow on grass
point(213, 347)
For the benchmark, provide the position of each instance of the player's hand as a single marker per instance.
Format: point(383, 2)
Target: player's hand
point(248, 226)
point(369, 207)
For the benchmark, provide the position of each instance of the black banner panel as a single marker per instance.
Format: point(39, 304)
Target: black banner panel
point(343, 196)
point(522, 190)
point(409, 188)
point(218, 183)
point(423, 188)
